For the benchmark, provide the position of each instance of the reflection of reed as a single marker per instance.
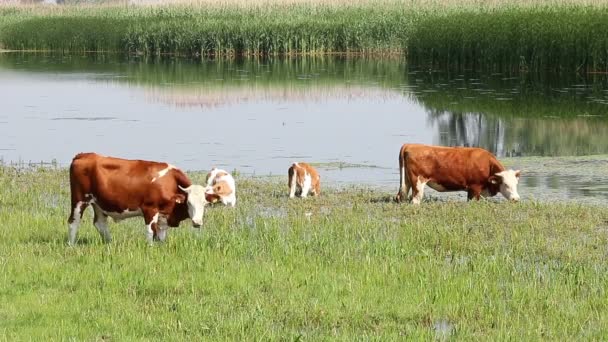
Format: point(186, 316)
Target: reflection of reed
point(516, 136)
point(214, 97)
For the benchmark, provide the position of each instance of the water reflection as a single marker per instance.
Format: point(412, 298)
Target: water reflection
point(514, 116)
point(259, 115)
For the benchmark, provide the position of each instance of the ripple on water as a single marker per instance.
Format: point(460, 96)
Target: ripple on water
point(79, 118)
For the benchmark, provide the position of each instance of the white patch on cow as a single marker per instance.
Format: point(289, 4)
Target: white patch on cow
point(196, 203)
point(436, 186)
point(508, 185)
point(73, 227)
point(149, 231)
point(212, 174)
point(420, 191)
point(163, 172)
point(306, 185)
point(101, 223)
point(125, 214)
point(229, 200)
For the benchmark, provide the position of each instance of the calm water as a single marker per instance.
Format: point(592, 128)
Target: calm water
point(259, 116)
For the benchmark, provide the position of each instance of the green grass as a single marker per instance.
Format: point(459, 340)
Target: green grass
point(459, 34)
point(350, 265)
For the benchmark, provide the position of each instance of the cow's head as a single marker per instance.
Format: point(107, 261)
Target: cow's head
point(196, 203)
point(210, 194)
point(507, 183)
point(220, 189)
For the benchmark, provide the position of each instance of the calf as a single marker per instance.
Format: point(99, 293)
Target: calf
point(221, 186)
point(473, 170)
point(121, 188)
point(303, 179)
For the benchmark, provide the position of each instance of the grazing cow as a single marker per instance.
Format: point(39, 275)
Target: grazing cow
point(221, 186)
point(474, 170)
point(122, 188)
point(305, 178)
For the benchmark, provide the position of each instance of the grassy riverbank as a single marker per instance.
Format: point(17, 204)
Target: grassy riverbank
point(347, 265)
point(464, 34)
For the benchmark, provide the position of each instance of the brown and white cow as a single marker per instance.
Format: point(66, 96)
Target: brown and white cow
point(303, 178)
point(121, 188)
point(221, 187)
point(473, 170)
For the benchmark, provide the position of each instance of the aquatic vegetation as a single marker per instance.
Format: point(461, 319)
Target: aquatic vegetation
point(510, 35)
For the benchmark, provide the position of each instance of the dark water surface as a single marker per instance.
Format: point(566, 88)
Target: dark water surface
point(257, 116)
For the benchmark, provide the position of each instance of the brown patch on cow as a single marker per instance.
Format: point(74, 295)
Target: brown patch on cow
point(222, 188)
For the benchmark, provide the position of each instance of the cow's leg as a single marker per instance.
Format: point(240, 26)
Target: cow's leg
point(151, 219)
point(292, 183)
point(101, 223)
point(316, 189)
point(78, 208)
point(163, 228)
point(418, 190)
point(404, 187)
point(474, 192)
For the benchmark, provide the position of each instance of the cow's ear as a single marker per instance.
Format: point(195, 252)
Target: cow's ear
point(517, 173)
point(495, 179)
point(179, 198)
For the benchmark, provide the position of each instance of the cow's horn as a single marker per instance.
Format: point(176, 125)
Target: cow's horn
point(186, 190)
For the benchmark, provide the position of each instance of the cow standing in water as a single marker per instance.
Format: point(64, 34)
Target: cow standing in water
point(121, 188)
point(473, 170)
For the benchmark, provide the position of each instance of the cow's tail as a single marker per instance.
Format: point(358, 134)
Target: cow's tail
point(292, 179)
point(403, 181)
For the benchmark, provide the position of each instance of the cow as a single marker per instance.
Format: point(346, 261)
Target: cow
point(121, 188)
point(474, 170)
point(303, 178)
point(221, 187)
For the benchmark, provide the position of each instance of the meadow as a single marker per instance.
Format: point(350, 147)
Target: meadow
point(350, 265)
point(509, 35)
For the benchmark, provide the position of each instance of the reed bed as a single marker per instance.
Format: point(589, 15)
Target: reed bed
point(187, 30)
point(463, 34)
point(511, 35)
point(546, 38)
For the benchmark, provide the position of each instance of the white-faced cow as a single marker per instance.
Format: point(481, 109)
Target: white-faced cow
point(122, 188)
point(473, 170)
